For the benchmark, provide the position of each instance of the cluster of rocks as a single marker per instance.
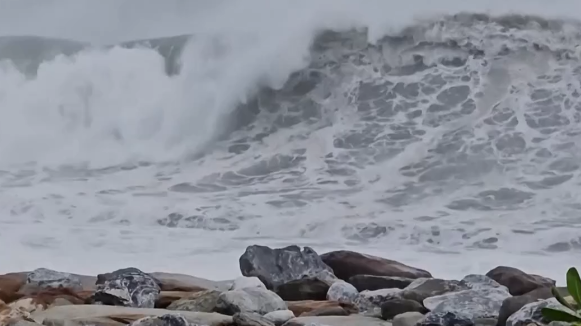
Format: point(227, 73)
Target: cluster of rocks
point(286, 286)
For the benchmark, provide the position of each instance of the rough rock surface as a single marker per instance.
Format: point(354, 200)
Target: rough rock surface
point(163, 320)
point(407, 319)
point(128, 287)
point(423, 288)
point(531, 313)
point(342, 291)
point(279, 317)
point(513, 304)
point(346, 264)
point(394, 307)
point(517, 281)
point(373, 282)
point(479, 303)
point(250, 319)
point(256, 300)
point(369, 302)
point(247, 282)
point(478, 281)
point(49, 279)
point(10, 315)
point(275, 267)
point(445, 319)
point(309, 288)
point(204, 301)
point(353, 320)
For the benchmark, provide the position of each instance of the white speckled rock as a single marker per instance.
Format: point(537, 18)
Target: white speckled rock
point(481, 303)
point(478, 281)
point(243, 282)
point(280, 317)
point(531, 313)
point(342, 291)
point(47, 278)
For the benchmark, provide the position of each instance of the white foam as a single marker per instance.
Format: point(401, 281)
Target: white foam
point(77, 110)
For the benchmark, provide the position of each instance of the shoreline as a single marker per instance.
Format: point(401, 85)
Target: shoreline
point(291, 283)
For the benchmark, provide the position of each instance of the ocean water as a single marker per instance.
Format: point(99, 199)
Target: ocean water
point(170, 135)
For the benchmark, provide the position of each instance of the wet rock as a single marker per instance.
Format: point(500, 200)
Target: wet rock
point(304, 289)
point(256, 300)
point(204, 301)
point(373, 282)
point(10, 284)
point(353, 320)
point(478, 281)
point(531, 313)
point(128, 287)
point(407, 319)
point(445, 319)
point(303, 307)
point(343, 292)
point(396, 306)
point(517, 281)
point(163, 320)
point(247, 282)
point(49, 279)
point(513, 304)
point(346, 264)
point(250, 319)
point(279, 317)
point(480, 303)
point(423, 288)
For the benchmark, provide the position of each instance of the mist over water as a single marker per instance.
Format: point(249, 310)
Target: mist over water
point(173, 134)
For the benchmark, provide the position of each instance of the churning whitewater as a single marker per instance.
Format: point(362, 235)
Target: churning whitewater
point(451, 142)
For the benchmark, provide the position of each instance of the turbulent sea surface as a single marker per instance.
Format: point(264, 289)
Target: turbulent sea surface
point(450, 142)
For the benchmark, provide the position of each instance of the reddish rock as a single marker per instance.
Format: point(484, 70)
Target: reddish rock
point(517, 281)
point(308, 306)
point(346, 264)
point(10, 284)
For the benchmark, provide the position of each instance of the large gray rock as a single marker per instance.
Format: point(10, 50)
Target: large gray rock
point(50, 279)
point(517, 281)
point(480, 303)
point(247, 282)
point(280, 317)
point(445, 319)
point(275, 267)
point(478, 281)
point(204, 301)
point(513, 304)
point(127, 287)
point(369, 302)
point(423, 288)
point(256, 300)
point(531, 313)
point(373, 282)
point(342, 291)
point(346, 264)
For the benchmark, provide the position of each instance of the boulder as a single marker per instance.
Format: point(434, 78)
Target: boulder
point(346, 264)
point(480, 303)
point(373, 282)
point(9, 286)
point(256, 300)
point(513, 304)
point(117, 315)
point(478, 281)
point(247, 282)
point(187, 283)
point(309, 288)
point(127, 287)
point(343, 292)
point(445, 319)
point(300, 308)
point(204, 301)
point(279, 317)
point(250, 319)
point(423, 288)
point(407, 319)
point(163, 320)
point(531, 313)
point(353, 320)
point(48, 279)
point(370, 302)
point(275, 267)
point(394, 307)
point(517, 281)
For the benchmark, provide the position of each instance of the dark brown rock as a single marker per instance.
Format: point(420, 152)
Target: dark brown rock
point(517, 281)
point(10, 284)
point(303, 289)
point(346, 264)
point(513, 304)
point(394, 307)
point(374, 282)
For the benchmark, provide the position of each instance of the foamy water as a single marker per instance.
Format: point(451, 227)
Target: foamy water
point(448, 142)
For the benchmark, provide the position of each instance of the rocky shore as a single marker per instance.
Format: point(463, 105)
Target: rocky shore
point(285, 286)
